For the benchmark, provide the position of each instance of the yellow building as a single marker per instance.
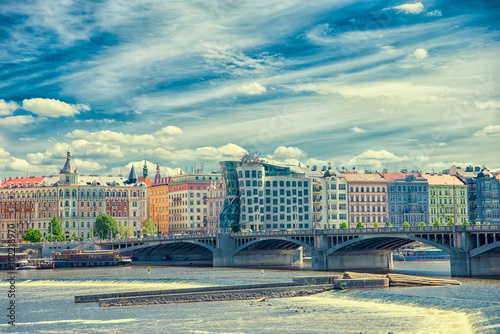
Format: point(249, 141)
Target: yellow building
point(447, 199)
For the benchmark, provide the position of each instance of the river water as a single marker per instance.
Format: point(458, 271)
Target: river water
point(44, 304)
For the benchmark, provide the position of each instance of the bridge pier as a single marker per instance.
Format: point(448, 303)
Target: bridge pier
point(359, 260)
point(460, 263)
point(223, 254)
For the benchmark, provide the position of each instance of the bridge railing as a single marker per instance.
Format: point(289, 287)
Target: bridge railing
point(158, 238)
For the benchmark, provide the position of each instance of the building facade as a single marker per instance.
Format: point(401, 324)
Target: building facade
point(334, 199)
point(484, 193)
point(367, 199)
point(408, 198)
point(216, 193)
point(447, 199)
point(75, 200)
point(188, 211)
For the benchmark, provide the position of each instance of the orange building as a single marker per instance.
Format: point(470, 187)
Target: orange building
point(158, 202)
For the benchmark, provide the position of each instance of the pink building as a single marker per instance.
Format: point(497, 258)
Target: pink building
point(367, 199)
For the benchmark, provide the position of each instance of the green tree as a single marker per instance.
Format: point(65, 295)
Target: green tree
point(54, 231)
point(478, 223)
point(388, 224)
point(125, 232)
point(375, 225)
point(360, 225)
point(343, 225)
point(405, 224)
point(89, 235)
point(149, 227)
point(421, 224)
point(32, 235)
point(450, 222)
point(104, 225)
point(74, 236)
point(466, 222)
point(436, 223)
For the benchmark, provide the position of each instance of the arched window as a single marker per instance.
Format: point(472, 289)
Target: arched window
point(357, 189)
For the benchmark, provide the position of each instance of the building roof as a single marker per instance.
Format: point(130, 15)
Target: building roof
point(146, 181)
point(21, 182)
point(401, 176)
point(443, 180)
point(365, 177)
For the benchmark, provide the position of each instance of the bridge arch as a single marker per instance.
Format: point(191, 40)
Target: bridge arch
point(287, 243)
point(382, 243)
point(488, 248)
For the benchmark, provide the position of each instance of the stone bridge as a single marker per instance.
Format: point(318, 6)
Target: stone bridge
point(474, 250)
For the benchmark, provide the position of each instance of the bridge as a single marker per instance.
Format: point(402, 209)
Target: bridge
point(474, 250)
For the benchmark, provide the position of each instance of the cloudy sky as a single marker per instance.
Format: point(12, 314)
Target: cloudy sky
point(371, 84)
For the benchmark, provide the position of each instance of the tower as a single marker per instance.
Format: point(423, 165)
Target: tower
point(145, 169)
point(158, 175)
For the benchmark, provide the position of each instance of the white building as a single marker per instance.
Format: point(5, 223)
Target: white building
point(334, 199)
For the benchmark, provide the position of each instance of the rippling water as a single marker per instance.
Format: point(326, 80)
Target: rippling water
point(44, 304)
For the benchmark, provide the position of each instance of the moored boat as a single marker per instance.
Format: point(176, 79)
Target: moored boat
point(421, 254)
point(11, 261)
point(75, 258)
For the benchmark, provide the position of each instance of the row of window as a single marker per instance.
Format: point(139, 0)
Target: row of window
point(357, 189)
point(281, 217)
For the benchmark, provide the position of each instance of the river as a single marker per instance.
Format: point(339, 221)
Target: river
point(44, 304)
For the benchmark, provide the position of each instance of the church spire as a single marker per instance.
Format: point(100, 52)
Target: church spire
point(132, 177)
point(158, 175)
point(145, 169)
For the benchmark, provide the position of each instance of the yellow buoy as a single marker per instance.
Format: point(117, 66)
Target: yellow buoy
point(262, 271)
point(149, 269)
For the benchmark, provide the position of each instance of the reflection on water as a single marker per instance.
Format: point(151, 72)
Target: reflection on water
point(45, 304)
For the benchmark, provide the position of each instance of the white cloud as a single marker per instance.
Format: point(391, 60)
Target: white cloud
point(3, 153)
point(7, 108)
point(88, 165)
point(113, 137)
point(420, 53)
point(169, 131)
point(284, 152)
point(376, 159)
point(226, 152)
point(253, 88)
point(410, 8)
point(27, 139)
point(52, 108)
point(357, 130)
point(490, 130)
point(491, 104)
point(436, 12)
point(16, 120)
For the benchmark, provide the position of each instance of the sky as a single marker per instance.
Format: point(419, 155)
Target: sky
point(354, 84)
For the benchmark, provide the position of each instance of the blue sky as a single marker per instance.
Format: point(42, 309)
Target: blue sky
point(372, 84)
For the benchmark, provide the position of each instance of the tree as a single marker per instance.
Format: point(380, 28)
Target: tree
point(149, 227)
point(359, 225)
point(388, 224)
point(125, 232)
point(450, 222)
point(104, 225)
point(436, 223)
point(54, 231)
point(405, 224)
point(421, 224)
point(74, 236)
point(88, 235)
point(32, 235)
point(466, 222)
point(343, 225)
point(478, 223)
point(375, 225)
